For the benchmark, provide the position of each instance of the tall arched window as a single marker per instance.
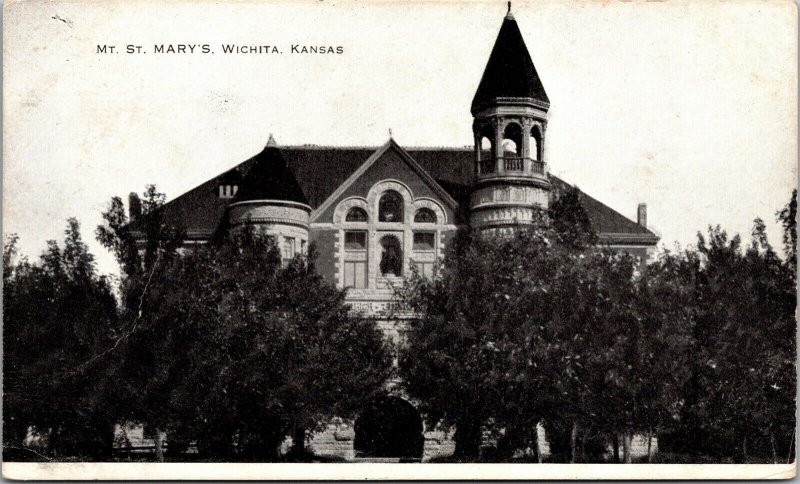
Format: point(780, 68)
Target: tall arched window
point(356, 214)
point(536, 144)
point(512, 140)
point(425, 216)
point(390, 207)
point(391, 256)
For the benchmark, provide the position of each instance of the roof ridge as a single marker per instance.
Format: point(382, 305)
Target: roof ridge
point(374, 147)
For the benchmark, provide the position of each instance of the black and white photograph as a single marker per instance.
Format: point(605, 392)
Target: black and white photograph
point(399, 240)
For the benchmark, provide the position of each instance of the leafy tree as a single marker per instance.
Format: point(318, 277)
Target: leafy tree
point(490, 350)
point(230, 349)
point(257, 351)
point(144, 248)
point(733, 307)
point(58, 315)
point(535, 325)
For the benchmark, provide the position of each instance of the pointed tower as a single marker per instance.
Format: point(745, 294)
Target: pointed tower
point(510, 120)
point(271, 199)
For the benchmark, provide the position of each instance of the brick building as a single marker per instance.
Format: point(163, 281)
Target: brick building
point(373, 213)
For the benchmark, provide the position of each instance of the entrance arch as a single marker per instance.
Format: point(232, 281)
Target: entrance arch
point(389, 427)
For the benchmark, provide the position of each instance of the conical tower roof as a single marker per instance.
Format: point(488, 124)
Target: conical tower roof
point(269, 178)
point(509, 73)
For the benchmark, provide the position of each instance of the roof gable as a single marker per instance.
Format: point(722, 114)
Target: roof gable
point(381, 153)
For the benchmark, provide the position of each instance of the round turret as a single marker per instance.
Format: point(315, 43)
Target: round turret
point(271, 200)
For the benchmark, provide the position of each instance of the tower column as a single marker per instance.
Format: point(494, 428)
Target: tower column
point(498, 146)
point(526, 146)
point(478, 152)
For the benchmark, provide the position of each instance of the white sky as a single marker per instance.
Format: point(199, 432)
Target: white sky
point(690, 107)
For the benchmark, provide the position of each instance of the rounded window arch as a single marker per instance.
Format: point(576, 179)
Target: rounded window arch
point(425, 216)
point(390, 207)
point(356, 214)
point(391, 256)
point(512, 140)
point(536, 143)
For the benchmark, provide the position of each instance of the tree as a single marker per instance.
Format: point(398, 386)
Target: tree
point(231, 349)
point(58, 314)
point(257, 351)
point(536, 325)
point(732, 316)
point(489, 350)
point(144, 248)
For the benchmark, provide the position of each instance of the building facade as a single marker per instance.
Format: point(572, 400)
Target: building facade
point(376, 213)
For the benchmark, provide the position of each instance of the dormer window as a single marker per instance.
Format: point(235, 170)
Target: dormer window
point(228, 191)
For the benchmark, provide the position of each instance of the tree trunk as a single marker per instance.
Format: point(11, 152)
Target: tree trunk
point(626, 447)
point(159, 442)
point(774, 447)
point(649, 446)
point(468, 439)
point(573, 442)
point(535, 444)
point(744, 449)
point(298, 440)
point(584, 438)
point(615, 446)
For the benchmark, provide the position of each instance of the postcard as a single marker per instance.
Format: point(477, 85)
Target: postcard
point(399, 240)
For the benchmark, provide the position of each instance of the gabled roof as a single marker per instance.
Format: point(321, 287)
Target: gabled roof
point(389, 145)
point(321, 170)
point(510, 72)
point(269, 178)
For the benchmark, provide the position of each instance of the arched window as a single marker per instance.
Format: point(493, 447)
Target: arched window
point(512, 140)
point(390, 208)
point(536, 144)
point(356, 214)
point(425, 216)
point(391, 256)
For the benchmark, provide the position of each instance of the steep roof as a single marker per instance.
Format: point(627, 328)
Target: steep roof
point(510, 72)
point(610, 225)
point(269, 178)
point(319, 171)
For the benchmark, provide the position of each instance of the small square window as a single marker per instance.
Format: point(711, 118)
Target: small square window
point(355, 241)
point(424, 240)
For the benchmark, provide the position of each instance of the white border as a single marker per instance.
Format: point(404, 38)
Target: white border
point(383, 471)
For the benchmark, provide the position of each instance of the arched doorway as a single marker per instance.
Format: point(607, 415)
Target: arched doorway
point(389, 427)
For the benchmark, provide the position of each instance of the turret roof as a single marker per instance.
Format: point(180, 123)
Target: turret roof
point(510, 72)
point(269, 178)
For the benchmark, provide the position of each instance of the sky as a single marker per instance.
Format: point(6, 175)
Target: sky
point(690, 107)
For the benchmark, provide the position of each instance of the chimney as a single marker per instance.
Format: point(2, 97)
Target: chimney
point(134, 207)
point(641, 215)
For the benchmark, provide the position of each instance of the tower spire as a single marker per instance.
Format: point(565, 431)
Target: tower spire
point(509, 15)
